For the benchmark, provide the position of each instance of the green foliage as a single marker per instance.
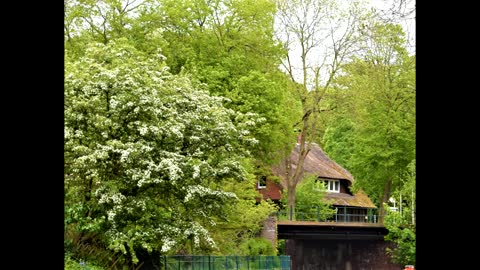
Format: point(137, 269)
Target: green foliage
point(257, 246)
point(310, 200)
point(313, 64)
point(401, 224)
point(374, 132)
point(339, 140)
point(71, 264)
point(270, 97)
point(152, 162)
point(239, 34)
point(143, 151)
point(169, 107)
point(281, 247)
point(243, 220)
point(403, 235)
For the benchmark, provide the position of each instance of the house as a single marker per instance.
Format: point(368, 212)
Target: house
point(269, 189)
point(349, 207)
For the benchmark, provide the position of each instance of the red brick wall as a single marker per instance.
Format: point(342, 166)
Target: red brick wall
point(272, 190)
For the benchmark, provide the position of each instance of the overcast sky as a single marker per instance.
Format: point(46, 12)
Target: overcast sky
point(408, 22)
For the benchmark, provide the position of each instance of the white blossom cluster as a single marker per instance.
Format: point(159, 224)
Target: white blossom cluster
point(198, 231)
point(164, 229)
point(141, 177)
point(200, 191)
point(115, 198)
point(172, 235)
point(112, 213)
point(171, 167)
point(167, 244)
point(167, 167)
point(154, 128)
point(196, 171)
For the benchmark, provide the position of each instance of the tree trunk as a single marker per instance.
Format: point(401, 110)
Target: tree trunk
point(386, 195)
point(293, 179)
point(291, 202)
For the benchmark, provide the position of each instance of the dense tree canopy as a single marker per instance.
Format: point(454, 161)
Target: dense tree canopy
point(174, 107)
point(145, 152)
point(373, 132)
point(229, 46)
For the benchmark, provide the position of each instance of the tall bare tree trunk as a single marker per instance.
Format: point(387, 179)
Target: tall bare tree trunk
point(291, 202)
point(293, 177)
point(303, 27)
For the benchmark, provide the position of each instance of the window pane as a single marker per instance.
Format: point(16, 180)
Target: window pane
point(262, 181)
point(337, 186)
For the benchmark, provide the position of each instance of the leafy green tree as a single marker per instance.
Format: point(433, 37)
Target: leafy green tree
point(187, 32)
point(380, 113)
point(339, 139)
point(256, 247)
point(229, 46)
point(310, 200)
point(240, 221)
point(144, 153)
point(225, 46)
point(401, 223)
point(88, 21)
point(404, 237)
point(272, 99)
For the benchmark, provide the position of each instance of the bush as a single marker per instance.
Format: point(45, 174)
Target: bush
point(257, 246)
point(71, 264)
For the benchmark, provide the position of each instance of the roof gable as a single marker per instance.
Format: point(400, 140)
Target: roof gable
point(317, 163)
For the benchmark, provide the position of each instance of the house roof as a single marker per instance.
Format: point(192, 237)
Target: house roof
point(360, 199)
point(317, 163)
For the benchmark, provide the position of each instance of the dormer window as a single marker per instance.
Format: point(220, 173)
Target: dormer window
point(262, 182)
point(333, 185)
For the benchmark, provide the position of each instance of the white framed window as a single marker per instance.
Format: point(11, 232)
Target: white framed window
point(333, 185)
point(262, 182)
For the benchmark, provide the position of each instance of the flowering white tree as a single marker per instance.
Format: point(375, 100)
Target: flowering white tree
point(145, 152)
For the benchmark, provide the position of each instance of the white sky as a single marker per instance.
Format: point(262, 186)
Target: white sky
point(408, 23)
point(384, 8)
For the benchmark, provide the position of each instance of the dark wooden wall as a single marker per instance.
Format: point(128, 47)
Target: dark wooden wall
point(339, 254)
